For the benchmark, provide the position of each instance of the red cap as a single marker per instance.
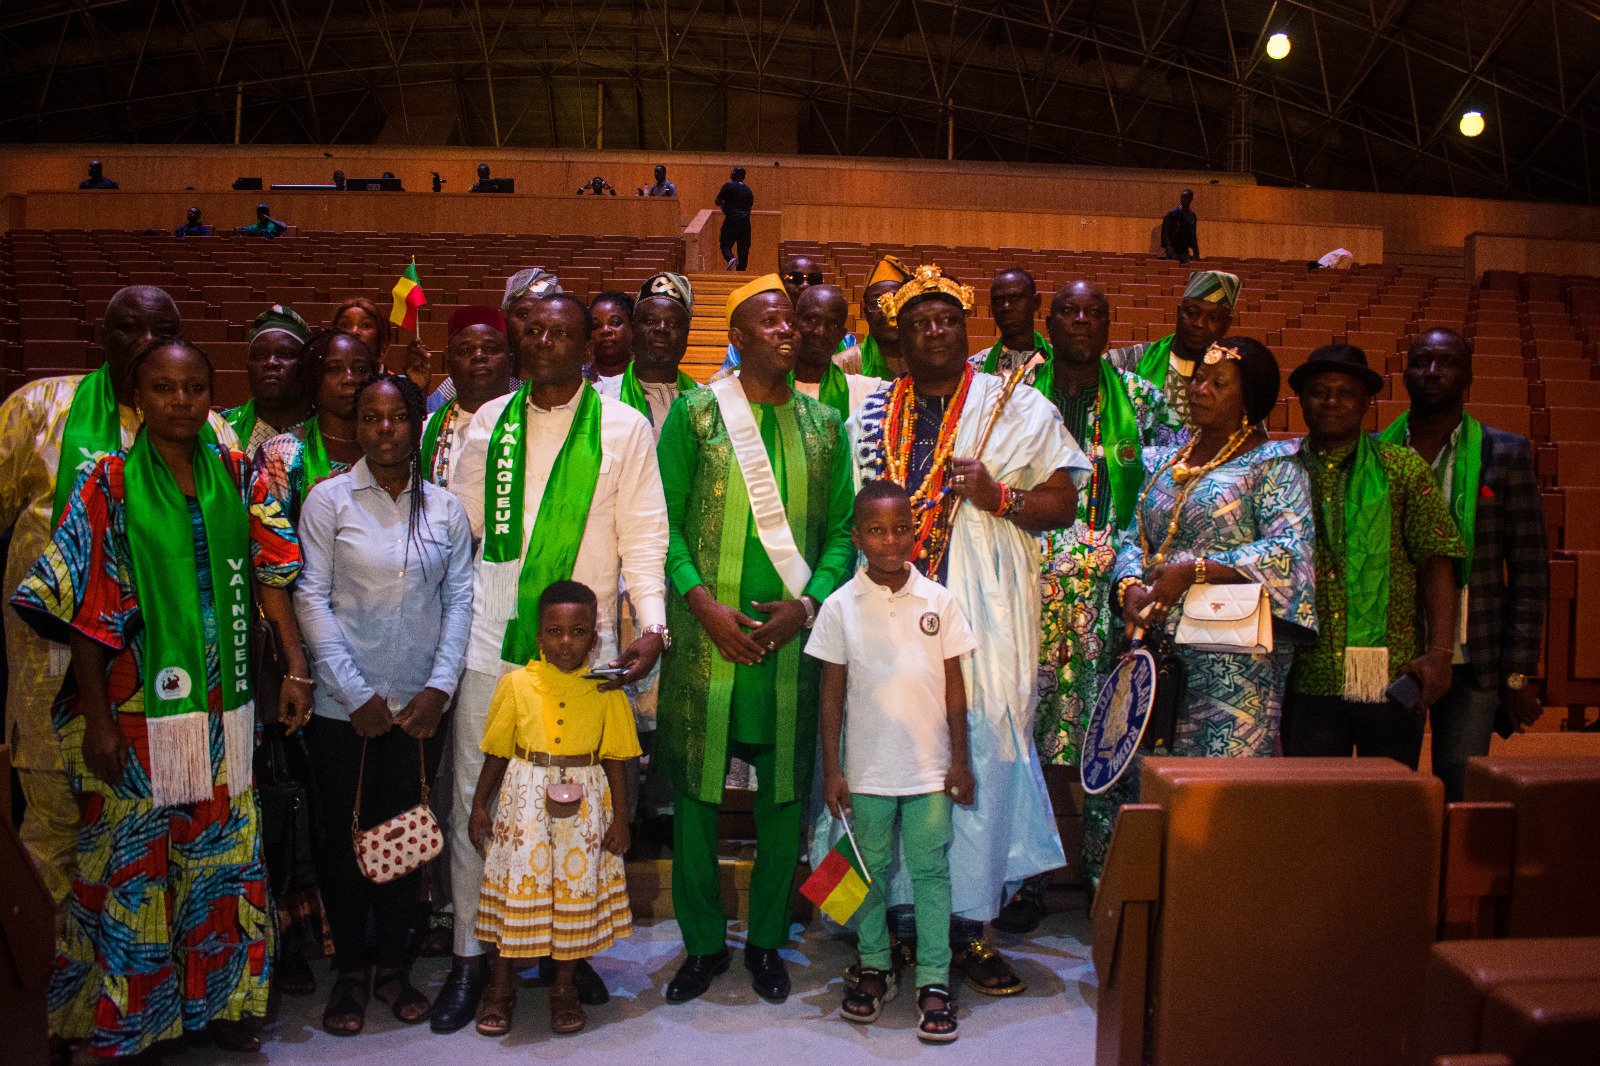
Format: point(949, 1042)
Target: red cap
point(477, 315)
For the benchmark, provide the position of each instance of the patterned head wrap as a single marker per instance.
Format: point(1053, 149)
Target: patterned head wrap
point(766, 283)
point(1214, 287)
point(669, 286)
point(280, 318)
point(889, 269)
point(534, 281)
point(476, 315)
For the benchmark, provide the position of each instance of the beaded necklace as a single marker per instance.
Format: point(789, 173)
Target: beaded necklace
point(899, 437)
point(1191, 476)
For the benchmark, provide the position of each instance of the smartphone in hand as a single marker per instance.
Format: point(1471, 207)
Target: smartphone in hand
point(607, 673)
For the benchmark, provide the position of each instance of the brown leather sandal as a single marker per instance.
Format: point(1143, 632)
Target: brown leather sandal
point(566, 1012)
point(496, 1008)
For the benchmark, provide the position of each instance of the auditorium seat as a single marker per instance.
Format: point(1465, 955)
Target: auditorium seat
point(1239, 922)
point(1464, 975)
point(1544, 1023)
point(1555, 884)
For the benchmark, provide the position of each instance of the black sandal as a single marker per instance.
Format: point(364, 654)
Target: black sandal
point(394, 989)
point(902, 953)
point(942, 1018)
point(1023, 913)
point(864, 1000)
point(347, 1000)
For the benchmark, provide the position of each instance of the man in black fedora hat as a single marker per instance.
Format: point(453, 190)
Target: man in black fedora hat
point(1386, 588)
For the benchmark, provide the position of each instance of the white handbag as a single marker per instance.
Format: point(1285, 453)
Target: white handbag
point(1232, 619)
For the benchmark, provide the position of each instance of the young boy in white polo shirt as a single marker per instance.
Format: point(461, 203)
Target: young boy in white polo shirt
point(890, 641)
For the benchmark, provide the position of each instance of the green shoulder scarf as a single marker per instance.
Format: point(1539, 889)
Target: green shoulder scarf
point(1043, 378)
point(1120, 443)
point(552, 548)
point(1465, 475)
point(873, 364)
point(833, 390)
point(633, 392)
point(93, 429)
point(314, 460)
point(243, 421)
point(430, 437)
point(1155, 361)
point(1367, 517)
point(161, 553)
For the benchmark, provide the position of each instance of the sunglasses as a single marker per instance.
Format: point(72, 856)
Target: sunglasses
point(797, 278)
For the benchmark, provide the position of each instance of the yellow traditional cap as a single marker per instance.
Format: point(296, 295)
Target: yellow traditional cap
point(928, 279)
point(765, 283)
point(889, 268)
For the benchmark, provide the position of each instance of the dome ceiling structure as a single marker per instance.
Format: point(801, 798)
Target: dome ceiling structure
point(1370, 96)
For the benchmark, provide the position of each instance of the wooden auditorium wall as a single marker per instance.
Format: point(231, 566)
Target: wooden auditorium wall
point(1409, 222)
point(1504, 251)
point(1055, 229)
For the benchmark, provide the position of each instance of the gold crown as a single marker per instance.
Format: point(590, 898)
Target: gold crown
point(927, 278)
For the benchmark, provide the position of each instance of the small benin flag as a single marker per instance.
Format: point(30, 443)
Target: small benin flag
point(839, 885)
point(408, 296)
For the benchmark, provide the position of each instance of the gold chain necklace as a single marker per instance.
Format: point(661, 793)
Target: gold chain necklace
point(1191, 477)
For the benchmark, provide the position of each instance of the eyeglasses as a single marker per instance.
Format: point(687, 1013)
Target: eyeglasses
point(797, 278)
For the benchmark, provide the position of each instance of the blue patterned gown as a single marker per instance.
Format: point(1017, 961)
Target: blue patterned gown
point(1254, 514)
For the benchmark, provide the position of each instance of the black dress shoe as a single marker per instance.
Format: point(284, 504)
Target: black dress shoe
point(457, 1002)
point(769, 975)
point(693, 978)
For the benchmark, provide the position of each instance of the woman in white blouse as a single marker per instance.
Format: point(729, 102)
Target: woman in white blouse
point(385, 604)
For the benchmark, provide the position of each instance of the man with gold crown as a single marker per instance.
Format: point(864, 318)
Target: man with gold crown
point(757, 479)
point(990, 466)
point(1204, 315)
point(878, 355)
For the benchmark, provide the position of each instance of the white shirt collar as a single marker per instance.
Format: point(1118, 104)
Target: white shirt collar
point(915, 585)
point(570, 405)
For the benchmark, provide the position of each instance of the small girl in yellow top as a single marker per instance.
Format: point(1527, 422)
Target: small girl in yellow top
point(553, 882)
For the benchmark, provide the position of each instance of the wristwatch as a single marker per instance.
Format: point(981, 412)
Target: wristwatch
point(1516, 682)
point(661, 631)
point(810, 608)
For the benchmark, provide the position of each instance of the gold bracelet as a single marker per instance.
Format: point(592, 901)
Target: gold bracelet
point(302, 680)
point(1200, 570)
point(1124, 585)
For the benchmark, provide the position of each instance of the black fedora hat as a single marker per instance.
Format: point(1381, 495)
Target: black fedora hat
point(1345, 358)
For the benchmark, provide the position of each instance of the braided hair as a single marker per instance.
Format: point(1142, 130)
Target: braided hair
point(417, 415)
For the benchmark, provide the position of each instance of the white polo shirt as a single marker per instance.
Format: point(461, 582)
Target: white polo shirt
point(893, 646)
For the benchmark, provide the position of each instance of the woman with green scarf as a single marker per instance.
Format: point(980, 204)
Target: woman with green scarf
point(334, 366)
point(149, 576)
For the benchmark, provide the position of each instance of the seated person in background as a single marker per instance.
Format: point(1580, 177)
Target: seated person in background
point(192, 226)
point(96, 178)
point(264, 225)
point(662, 186)
point(598, 186)
point(482, 184)
point(338, 180)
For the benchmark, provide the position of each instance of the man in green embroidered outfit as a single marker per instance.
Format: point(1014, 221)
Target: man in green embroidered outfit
point(1014, 303)
point(1386, 582)
point(757, 479)
point(660, 339)
point(1204, 315)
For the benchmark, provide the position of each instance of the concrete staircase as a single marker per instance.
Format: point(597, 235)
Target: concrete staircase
point(708, 332)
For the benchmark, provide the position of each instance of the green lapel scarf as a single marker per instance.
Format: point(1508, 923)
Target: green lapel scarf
point(791, 469)
point(1155, 361)
point(1120, 444)
point(833, 390)
point(93, 429)
point(1465, 475)
point(1367, 516)
point(552, 548)
point(873, 364)
point(314, 459)
point(1043, 378)
point(633, 392)
point(243, 421)
point(161, 553)
point(430, 437)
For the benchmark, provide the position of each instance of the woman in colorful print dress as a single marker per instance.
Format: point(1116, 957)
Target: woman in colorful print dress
point(167, 929)
point(1241, 503)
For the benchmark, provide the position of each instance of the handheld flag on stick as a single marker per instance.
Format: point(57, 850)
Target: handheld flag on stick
point(408, 296)
point(839, 885)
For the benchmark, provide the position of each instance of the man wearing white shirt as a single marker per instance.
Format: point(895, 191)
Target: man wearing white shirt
point(565, 430)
